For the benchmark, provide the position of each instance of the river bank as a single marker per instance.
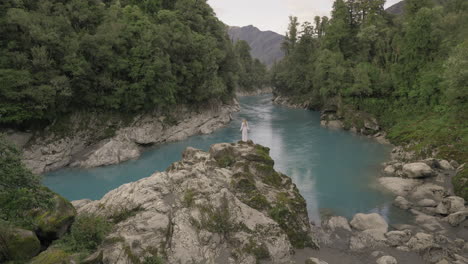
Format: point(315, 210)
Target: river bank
point(87, 140)
point(421, 186)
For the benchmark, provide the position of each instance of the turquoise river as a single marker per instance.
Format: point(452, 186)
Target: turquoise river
point(335, 171)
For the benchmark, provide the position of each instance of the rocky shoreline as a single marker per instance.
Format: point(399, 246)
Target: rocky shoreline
point(105, 142)
point(256, 92)
point(439, 233)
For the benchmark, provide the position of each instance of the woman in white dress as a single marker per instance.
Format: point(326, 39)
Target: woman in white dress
point(244, 128)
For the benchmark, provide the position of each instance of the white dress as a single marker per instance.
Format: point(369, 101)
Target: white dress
point(244, 128)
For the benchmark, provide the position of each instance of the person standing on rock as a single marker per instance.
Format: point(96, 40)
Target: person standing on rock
point(244, 128)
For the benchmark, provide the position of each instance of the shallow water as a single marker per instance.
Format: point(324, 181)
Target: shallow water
point(335, 171)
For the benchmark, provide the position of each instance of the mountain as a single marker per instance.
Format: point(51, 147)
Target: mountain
point(397, 9)
point(265, 45)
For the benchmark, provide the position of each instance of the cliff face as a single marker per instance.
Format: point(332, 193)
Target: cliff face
point(265, 45)
point(91, 140)
point(227, 205)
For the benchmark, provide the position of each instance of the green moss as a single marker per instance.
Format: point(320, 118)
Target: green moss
point(52, 256)
point(257, 201)
point(287, 212)
point(122, 214)
point(243, 183)
point(268, 174)
point(51, 222)
point(264, 155)
point(189, 198)
point(225, 161)
point(460, 183)
point(259, 250)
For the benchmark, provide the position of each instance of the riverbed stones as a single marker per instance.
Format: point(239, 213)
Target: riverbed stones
point(386, 260)
point(421, 242)
point(399, 186)
point(369, 221)
point(417, 170)
point(338, 223)
point(457, 218)
point(450, 205)
point(315, 261)
point(428, 191)
point(426, 203)
point(402, 203)
point(397, 238)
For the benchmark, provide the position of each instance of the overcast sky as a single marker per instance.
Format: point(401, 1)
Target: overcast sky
point(271, 14)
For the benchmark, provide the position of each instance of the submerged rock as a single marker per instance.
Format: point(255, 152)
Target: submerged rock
point(225, 206)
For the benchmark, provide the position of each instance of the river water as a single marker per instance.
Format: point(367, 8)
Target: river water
point(335, 171)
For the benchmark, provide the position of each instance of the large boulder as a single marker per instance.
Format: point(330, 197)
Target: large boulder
point(18, 244)
point(53, 256)
point(421, 242)
point(55, 222)
point(225, 206)
point(417, 170)
point(428, 191)
point(450, 205)
point(457, 218)
point(399, 186)
point(363, 222)
point(402, 203)
point(398, 238)
point(315, 261)
point(338, 223)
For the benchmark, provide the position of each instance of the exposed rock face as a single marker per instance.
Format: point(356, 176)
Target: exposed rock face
point(265, 45)
point(225, 206)
point(105, 142)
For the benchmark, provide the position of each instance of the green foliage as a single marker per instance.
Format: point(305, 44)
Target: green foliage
point(128, 56)
point(86, 234)
point(460, 183)
point(20, 190)
point(408, 72)
point(252, 74)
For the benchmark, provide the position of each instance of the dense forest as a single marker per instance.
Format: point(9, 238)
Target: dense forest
point(58, 56)
point(411, 71)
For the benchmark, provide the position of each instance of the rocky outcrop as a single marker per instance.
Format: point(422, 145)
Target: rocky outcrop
point(225, 206)
point(417, 170)
point(18, 244)
point(91, 140)
point(54, 223)
point(266, 90)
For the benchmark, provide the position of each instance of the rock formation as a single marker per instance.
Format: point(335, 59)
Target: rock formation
point(227, 205)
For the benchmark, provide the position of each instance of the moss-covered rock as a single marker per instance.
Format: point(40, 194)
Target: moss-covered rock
point(54, 223)
point(52, 256)
point(460, 183)
point(18, 244)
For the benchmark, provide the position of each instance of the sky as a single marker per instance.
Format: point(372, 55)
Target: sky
point(272, 14)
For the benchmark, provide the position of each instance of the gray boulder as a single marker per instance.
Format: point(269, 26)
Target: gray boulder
point(398, 238)
point(457, 218)
point(402, 203)
point(417, 170)
point(315, 261)
point(363, 222)
point(387, 260)
point(399, 186)
point(421, 242)
point(450, 205)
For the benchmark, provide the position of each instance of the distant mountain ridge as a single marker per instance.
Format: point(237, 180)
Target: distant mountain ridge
point(265, 45)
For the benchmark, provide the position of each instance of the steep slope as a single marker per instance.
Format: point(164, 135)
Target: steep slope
point(265, 45)
point(397, 9)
